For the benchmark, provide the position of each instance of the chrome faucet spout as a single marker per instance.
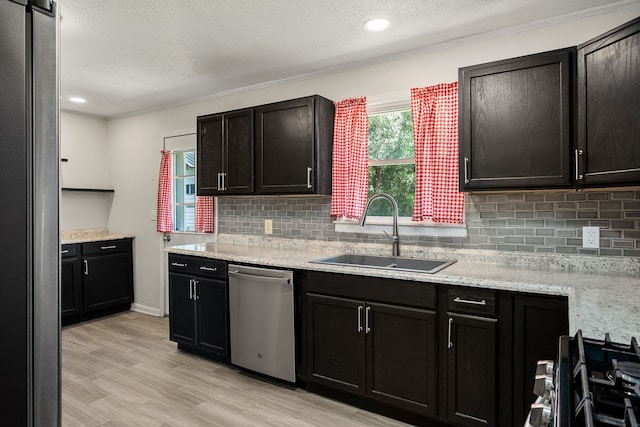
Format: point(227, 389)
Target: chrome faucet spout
point(395, 238)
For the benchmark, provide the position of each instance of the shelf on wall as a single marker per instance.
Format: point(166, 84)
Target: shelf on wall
point(95, 190)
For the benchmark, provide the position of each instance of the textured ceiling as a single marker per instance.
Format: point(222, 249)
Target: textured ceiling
point(132, 55)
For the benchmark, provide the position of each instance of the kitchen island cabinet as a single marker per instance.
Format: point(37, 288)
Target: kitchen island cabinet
point(199, 306)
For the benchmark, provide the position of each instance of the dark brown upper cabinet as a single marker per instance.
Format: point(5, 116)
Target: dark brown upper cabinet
point(225, 153)
point(279, 148)
point(293, 146)
point(515, 119)
point(608, 145)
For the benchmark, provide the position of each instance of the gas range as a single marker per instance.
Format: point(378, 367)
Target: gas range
point(593, 383)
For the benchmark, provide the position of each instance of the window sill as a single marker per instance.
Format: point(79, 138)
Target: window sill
point(406, 227)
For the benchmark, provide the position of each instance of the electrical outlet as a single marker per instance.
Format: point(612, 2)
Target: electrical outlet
point(591, 237)
point(268, 226)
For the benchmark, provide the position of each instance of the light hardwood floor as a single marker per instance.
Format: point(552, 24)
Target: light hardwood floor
point(122, 370)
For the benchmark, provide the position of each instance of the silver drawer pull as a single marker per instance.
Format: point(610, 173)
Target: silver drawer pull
point(208, 268)
point(66, 251)
point(108, 247)
point(467, 301)
point(177, 264)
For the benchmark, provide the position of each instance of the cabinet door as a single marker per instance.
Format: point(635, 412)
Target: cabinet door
point(285, 145)
point(609, 107)
point(471, 370)
point(336, 342)
point(212, 314)
point(70, 288)
point(182, 315)
point(238, 159)
point(210, 155)
point(401, 356)
point(515, 122)
point(107, 281)
point(538, 323)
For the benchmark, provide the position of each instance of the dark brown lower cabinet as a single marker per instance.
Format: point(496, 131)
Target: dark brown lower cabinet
point(538, 323)
point(471, 370)
point(428, 354)
point(385, 352)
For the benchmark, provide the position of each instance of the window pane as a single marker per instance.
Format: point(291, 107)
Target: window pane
point(189, 163)
point(399, 181)
point(178, 190)
point(189, 189)
point(178, 163)
point(391, 136)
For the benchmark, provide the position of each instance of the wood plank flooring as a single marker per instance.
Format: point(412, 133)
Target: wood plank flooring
point(122, 370)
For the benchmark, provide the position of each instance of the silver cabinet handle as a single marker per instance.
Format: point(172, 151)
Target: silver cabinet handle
point(177, 264)
point(450, 343)
point(359, 318)
point(190, 288)
point(195, 290)
point(86, 267)
point(309, 170)
point(579, 153)
point(224, 181)
point(467, 301)
point(104, 248)
point(219, 181)
point(66, 251)
point(208, 268)
point(466, 170)
point(367, 329)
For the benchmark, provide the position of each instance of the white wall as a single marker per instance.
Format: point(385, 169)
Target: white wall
point(134, 142)
point(83, 142)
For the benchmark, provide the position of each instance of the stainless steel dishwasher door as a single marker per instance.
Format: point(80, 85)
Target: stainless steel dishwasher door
point(261, 321)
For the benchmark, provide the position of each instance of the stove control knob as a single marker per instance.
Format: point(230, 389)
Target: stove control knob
point(544, 367)
point(540, 415)
point(543, 386)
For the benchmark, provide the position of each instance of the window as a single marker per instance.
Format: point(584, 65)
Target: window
point(184, 194)
point(391, 162)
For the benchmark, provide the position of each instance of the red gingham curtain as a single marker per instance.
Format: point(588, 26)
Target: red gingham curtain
point(434, 111)
point(204, 214)
point(164, 215)
point(350, 175)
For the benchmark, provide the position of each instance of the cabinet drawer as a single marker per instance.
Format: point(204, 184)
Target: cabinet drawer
point(106, 247)
point(69, 250)
point(198, 266)
point(472, 300)
point(372, 289)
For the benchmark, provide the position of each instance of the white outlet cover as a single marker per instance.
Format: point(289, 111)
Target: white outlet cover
point(591, 237)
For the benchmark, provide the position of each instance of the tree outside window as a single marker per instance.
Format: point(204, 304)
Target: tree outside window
point(391, 162)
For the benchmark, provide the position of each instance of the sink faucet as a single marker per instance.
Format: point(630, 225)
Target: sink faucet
point(395, 239)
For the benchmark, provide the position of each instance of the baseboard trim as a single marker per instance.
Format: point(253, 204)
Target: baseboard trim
point(144, 309)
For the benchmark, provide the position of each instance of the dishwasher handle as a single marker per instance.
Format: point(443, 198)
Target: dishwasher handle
point(256, 278)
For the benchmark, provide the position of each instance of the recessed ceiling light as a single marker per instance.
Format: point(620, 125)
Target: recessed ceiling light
point(77, 99)
point(377, 24)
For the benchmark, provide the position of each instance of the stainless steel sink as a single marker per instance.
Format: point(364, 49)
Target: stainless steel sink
point(387, 262)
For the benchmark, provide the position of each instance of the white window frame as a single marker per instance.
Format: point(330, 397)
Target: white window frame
point(387, 103)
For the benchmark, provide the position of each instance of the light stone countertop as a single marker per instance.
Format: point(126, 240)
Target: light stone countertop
point(90, 235)
point(599, 301)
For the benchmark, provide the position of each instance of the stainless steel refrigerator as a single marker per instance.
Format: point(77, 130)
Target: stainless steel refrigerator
point(29, 212)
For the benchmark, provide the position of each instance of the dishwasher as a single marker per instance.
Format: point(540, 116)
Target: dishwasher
point(261, 321)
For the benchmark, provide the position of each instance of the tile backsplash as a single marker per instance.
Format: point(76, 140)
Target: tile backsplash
point(541, 222)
